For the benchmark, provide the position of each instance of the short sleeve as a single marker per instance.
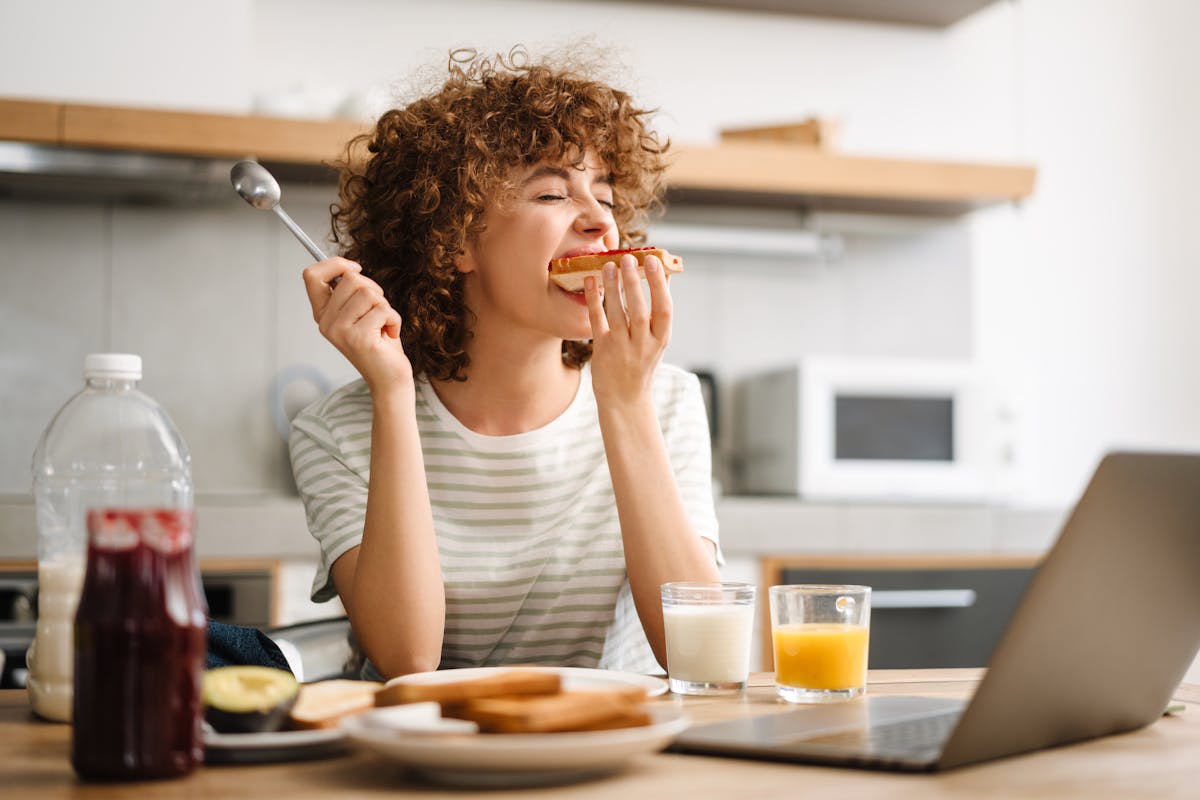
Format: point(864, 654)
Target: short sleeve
point(332, 487)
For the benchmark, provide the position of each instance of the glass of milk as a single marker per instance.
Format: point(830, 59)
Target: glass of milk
point(708, 628)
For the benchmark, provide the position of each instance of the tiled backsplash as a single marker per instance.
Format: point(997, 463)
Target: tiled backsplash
point(210, 296)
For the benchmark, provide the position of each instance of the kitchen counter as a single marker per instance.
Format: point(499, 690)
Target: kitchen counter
point(259, 526)
point(273, 526)
point(1156, 761)
point(757, 526)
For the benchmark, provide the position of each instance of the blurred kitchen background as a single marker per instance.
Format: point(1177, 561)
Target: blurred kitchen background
point(1077, 302)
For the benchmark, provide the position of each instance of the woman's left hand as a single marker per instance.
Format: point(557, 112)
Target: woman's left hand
point(628, 340)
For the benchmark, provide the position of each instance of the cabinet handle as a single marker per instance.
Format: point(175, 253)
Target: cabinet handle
point(923, 598)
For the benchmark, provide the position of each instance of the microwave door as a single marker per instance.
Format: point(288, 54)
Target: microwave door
point(893, 428)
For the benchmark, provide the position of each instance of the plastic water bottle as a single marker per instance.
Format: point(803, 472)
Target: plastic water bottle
point(111, 446)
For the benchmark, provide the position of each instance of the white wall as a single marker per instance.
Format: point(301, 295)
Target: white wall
point(1081, 299)
point(1094, 310)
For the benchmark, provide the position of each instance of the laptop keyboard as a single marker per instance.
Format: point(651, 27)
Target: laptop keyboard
point(911, 736)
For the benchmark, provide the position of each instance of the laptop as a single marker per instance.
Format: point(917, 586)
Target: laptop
point(1099, 642)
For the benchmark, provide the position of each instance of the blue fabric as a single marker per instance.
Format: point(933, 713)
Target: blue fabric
point(236, 645)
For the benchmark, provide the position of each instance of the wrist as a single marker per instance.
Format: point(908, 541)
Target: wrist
point(394, 396)
point(638, 406)
point(635, 416)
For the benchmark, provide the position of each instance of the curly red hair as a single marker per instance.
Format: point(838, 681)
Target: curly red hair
point(417, 197)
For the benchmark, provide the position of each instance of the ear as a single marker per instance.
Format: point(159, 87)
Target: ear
point(464, 260)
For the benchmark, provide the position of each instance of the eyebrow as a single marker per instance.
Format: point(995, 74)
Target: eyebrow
point(559, 172)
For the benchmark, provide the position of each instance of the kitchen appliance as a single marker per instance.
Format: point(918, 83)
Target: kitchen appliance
point(873, 429)
point(18, 603)
point(235, 595)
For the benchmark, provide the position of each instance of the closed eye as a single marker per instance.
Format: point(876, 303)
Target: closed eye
point(550, 198)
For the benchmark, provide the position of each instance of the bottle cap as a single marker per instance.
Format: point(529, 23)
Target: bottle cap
point(124, 366)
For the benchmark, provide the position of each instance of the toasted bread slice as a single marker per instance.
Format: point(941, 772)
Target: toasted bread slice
point(570, 272)
point(569, 711)
point(629, 718)
point(633, 696)
point(322, 704)
point(509, 682)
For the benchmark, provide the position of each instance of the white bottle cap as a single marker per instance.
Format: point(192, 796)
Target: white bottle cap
point(121, 366)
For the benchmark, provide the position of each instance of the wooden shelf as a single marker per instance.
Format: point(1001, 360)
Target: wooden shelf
point(31, 121)
point(298, 141)
point(773, 174)
point(744, 173)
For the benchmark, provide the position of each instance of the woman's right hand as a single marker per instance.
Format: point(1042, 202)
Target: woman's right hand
point(352, 313)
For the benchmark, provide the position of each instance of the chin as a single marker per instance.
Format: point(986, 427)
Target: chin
point(576, 326)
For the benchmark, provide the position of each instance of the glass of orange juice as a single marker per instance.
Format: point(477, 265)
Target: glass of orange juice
point(821, 635)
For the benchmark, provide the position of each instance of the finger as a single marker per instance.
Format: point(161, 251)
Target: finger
point(391, 323)
point(327, 273)
point(614, 309)
point(660, 298)
point(350, 286)
point(319, 277)
point(375, 322)
point(636, 308)
point(595, 304)
point(350, 312)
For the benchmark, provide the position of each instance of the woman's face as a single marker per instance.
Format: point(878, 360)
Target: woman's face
point(557, 210)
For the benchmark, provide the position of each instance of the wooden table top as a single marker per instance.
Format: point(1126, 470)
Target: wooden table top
point(1161, 760)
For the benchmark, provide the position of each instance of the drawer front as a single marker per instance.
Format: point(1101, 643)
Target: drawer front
point(931, 618)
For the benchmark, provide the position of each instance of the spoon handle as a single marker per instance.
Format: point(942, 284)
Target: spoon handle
point(308, 243)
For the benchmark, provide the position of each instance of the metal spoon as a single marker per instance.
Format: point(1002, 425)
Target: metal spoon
point(259, 188)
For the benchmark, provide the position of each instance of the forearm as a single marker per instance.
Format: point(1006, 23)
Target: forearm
point(397, 600)
point(660, 544)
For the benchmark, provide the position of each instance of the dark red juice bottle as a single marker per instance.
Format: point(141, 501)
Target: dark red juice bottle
point(139, 648)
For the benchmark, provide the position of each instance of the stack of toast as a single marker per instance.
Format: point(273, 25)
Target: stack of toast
point(525, 701)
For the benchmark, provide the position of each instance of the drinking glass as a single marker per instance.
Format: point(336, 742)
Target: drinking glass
point(708, 629)
point(820, 635)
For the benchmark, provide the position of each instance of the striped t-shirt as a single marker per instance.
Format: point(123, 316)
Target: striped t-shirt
point(526, 525)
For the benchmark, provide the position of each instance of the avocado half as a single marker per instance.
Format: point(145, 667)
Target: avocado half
point(248, 699)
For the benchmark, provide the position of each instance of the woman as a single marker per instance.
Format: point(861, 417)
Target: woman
point(496, 489)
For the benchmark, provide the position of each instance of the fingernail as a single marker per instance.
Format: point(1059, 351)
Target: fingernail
point(651, 265)
point(589, 283)
point(610, 271)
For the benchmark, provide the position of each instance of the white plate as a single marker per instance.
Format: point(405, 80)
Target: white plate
point(516, 759)
point(257, 748)
point(573, 678)
point(520, 759)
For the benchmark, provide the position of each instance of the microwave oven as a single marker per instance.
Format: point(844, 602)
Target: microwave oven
point(873, 429)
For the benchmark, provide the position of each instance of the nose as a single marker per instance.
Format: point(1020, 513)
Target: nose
point(593, 218)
